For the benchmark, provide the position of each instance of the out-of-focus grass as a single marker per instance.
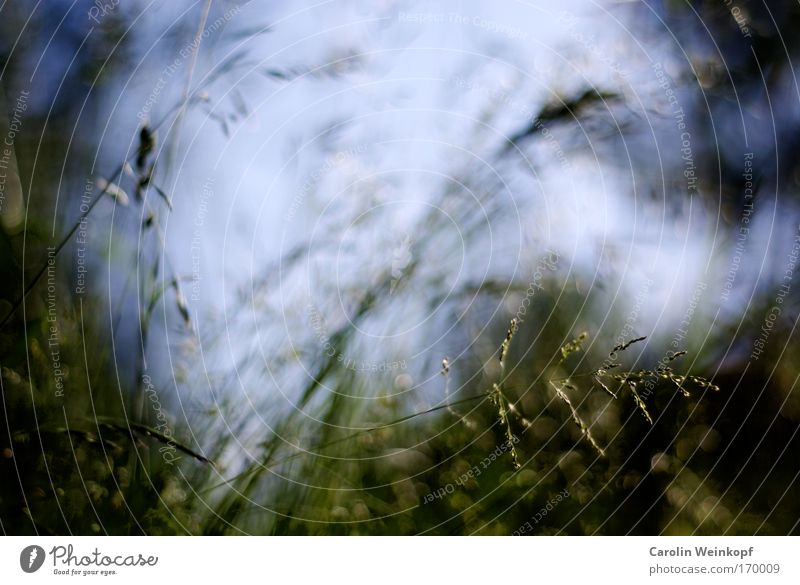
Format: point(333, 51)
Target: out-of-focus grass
point(615, 432)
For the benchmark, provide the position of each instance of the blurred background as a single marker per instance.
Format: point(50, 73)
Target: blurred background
point(399, 267)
